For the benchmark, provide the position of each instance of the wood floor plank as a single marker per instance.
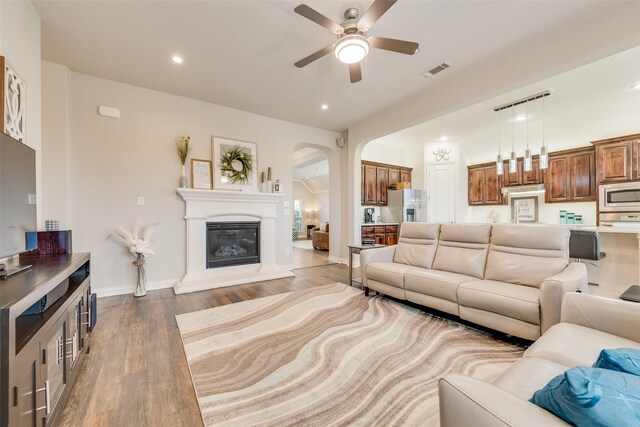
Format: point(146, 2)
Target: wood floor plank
point(136, 373)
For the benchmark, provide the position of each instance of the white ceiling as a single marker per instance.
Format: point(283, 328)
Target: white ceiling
point(589, 103)
point(241, 53)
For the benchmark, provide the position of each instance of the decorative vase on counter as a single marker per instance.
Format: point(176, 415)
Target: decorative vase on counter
point(141, 279)
point(183, 179)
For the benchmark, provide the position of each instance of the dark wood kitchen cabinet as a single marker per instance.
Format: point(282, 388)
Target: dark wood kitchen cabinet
point(383, 234)
point(571, 176)
point(618, 159)
point(484, 185)
point(377, 178)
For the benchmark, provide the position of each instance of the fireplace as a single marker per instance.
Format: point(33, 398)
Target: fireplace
point(232, 243)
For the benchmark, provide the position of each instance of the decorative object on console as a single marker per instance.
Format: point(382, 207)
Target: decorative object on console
point(441, 153)
point(201, 174)
point(277, 187)
point(49, 243)
point(182, 145)
point(235, 163)
point(138, 242)
point(12, 105)
point(51, 225)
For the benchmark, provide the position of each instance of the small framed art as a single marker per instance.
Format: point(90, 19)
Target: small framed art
point(524, 209)
point(201, 174)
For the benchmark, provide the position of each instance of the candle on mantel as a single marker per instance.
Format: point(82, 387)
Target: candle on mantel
point(269, 173)
point(262, 178)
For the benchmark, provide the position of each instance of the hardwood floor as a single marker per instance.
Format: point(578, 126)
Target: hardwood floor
point(136, 373)
point(303, 258)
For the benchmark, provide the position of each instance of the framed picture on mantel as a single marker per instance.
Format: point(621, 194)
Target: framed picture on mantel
point(234, 164)
point(201, 174)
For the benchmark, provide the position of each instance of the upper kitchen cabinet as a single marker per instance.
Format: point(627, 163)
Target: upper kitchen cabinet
point(570, 176)
point(616, 160)
point(484, 185)
point(520, 176)
point(377, 178)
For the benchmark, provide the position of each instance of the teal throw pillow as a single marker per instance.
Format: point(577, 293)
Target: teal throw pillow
point(620, 359)
point(587, 396)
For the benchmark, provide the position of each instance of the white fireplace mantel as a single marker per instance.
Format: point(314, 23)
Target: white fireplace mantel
point(204, 206)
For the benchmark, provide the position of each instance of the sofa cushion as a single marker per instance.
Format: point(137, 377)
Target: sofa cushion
point(618, 359)
point(462, 248)
point(441, 284)
point(529, 375)
point(417, 244)
point(575, 345)
point(526, 255)
point(390, 273)
point(507, 299)
point(586, 396)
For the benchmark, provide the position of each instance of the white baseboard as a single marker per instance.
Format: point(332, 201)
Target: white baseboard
point(110, 291)
point(338, 260)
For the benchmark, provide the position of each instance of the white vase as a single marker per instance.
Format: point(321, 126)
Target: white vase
point(183, 179)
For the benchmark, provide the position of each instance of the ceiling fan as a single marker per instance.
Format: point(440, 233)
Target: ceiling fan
point(353, 44)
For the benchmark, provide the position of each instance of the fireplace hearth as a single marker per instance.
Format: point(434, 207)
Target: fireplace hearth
point(232, 243)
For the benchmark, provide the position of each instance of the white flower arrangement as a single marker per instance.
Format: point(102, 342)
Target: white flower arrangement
point(138, 240)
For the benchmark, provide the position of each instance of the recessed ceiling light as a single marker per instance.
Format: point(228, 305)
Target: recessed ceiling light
point(306, 177)
point(324, 106)
point(177, 59)
point(636, 86)
point(443, 138)
point(520, 118)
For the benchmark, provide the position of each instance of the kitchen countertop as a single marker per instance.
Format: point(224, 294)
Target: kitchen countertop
point(611, 230)
point(366, 224)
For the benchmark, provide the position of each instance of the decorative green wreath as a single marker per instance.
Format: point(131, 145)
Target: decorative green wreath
point(236, 165)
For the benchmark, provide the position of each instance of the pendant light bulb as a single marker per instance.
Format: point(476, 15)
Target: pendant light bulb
point(513, 159)
point(544, 156)
point(528, 161)
point(499, 162)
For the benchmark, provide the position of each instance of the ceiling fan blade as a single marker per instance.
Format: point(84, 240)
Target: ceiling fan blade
point(355, 72)
point(400, 46)
point(318, 18)
point(309, 59)
point(375, 11)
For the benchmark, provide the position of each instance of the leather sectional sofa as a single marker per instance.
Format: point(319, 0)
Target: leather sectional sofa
point(589, 324)
point(510, 278)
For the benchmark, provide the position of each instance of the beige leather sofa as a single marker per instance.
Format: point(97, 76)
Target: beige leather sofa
point(510, 278)
point(589, 325)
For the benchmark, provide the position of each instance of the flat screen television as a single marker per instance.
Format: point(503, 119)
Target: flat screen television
point(17, 196)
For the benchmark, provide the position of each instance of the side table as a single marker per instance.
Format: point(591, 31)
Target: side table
point(355, 250)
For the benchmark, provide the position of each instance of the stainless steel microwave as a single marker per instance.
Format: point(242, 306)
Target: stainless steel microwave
point(623, 197)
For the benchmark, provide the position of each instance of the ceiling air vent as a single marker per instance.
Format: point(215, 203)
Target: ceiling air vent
point(432, 72)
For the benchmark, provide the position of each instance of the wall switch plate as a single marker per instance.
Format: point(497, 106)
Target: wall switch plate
point(140, 200)
point(33, 199)
point(285, 203)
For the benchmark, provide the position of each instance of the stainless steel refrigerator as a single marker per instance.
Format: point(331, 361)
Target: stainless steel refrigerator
point(405, 206)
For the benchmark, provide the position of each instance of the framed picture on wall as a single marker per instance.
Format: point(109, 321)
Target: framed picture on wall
point(234, 164)
point(201, 174)
point(524, 209)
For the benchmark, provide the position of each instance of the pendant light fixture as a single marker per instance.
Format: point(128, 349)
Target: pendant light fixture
point(513, 160)
point(528, 161)
point(544, 156)
point(499, 162)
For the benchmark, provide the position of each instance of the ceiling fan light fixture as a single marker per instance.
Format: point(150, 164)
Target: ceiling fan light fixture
point(352, 49)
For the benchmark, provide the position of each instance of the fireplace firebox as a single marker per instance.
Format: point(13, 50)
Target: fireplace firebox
point(232, 243)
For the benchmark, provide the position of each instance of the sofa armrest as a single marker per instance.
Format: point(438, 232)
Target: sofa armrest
point(384, 254)
point(552, 289)
point(466, 401)
point(614, 316)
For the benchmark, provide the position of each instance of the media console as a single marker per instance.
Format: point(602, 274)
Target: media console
point(41, 354)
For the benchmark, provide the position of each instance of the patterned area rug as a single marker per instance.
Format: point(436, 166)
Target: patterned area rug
point(329, 356)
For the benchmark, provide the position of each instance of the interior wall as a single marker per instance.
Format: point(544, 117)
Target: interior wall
point(399, 152)
point(113, 162)
point(54, 151)
point(20, 45)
